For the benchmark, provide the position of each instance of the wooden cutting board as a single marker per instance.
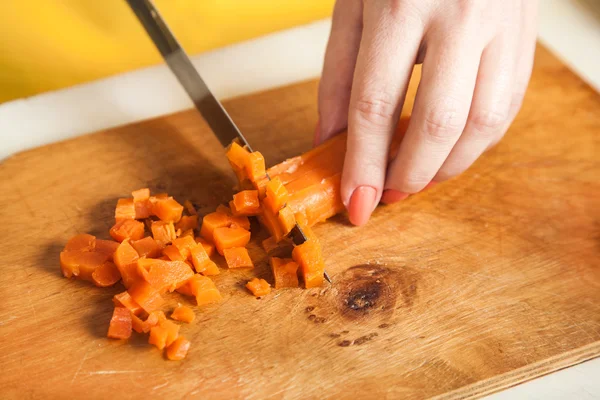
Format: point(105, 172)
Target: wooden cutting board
point(473, 286)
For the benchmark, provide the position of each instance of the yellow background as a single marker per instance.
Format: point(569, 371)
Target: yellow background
point(50, 44)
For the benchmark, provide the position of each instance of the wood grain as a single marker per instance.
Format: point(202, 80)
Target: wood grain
point(475, 285)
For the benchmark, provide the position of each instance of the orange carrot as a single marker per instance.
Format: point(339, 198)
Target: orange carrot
point(168, 210)
point(83, 242)
point(241, 221)
point(165, 275)
point(259, 287)
point(146, 296)
point(203, 288)
point(187, 222)
point(120, 324)
point(141, 326)
point(178, 349)
point(189, 232)
point(255, 166)
point(308, 256)
point(106, 275)
point(276, 195)
point(237, 257)
point(184, 244)
point(245, 203)
point(107, 247)
point(271, 221)
point(269, 244)
point(212, 221)
point(173, 253)
point(125, 209)
point(141, 203)
point(208, 247)
point(183, 314)
point(286, 218)
point(285, 271)
point(319, 201)
point(163, 232)
point(201, 261)
point(125, 259)
point(162, 335)
point(81, 264)
point(226, 238)
point(147, 247)
point(127, 229)
point(123, 299)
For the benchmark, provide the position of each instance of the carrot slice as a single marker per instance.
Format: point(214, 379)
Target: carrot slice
point(83, 242)
point(212, 221)
point(201, 261)
point(127, 229)
point(125, 259)
point(259, 287)
point(285, 271)
point(245, 203)
point(120, 324)
point(107, 247)
point(168, 210)
point(238, 257)
point(184, 244)
point(106, 275)
point(123, 299)
point(187, 222)
point(226, 238)
point(125, 209)
point(178, 349)
point(190, 208)
point(276, 195)
point(183, 314)
point(146, 296)
point(147, 247)
point(165, 275)
point(81, 264)
point(163, 232)
point(208, 247)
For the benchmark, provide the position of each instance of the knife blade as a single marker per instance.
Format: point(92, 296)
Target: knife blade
point(205, 102)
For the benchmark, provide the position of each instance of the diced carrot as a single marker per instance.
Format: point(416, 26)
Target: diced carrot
point(226, 238)
point(202, 262)
point(208, 247)
point(125, 259)
point(189, 232)
point(153, 319)
point(147, 247)
point(183, 314)
point(163, 232)
point(125, 209)
point(173, 253)
point(255, 166)
point(276, 195)
point(308, 256)
point(259, 287)
point(190, 208)
point(83, 242)
point(285, 271)
point(120, 324)
point(184, 244)
point(141, 194)
point(238, 257)
point(271, 222)
point(107, 247)
point(156, 317)
point(238, 156)
point(287, 221)
point(127, 229)
point(187, 222)
point(123, 299)
point(158, 337)
point(165, 275)
point(212, 221)
point(81, 264)
point(245, 203)
point(168, 210)
point(178, 349)
point(203, 288)
point(146, 296)
point(137, 324)
point(141, 202)
point(172, 331)
point(241, 221)
point(106, 275)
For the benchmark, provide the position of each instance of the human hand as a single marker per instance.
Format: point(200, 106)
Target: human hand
point(477, 58)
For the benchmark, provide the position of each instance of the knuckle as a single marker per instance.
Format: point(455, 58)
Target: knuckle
point(488, 121)
point(442, 124)
point(375, 111)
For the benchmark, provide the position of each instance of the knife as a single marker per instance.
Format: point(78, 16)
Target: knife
point(206, 103)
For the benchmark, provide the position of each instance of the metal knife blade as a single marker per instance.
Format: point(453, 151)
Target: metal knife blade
point(206, 103)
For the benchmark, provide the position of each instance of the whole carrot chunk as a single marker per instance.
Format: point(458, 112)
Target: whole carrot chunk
point(120, 324)
point(125, 209)
point(163, 232)
point(187, 222)
point(106, 275)
point(125, 259)
point(127, 229)
point(178, 349)
point(226, 238)
point(123, 299)
point(183, 314)
point(146, 296)
point(285, 271)
point(259, 287)
point(238, 257)
point(245, 203)
point(147, 247)
point(168, 210)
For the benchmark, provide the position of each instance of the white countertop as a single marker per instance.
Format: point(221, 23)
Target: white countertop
point(570, 28)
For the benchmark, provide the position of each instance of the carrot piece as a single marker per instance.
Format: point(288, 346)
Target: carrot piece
point(158, 337)
point(285, 271)
point(183, 314)
point(168, 210)
point(271, 222)
point(258, 287)
point(190, 208)
point(172, 331)
point(237, 156)
point(203, 288)
point(138, 324)
point(245, 203)
point(147, 247)
point(146, 296)
point(184, 244)
point(201, 261)
point(125, 259)
point(319, 201)
point(141, 326)
point(189, 232)
point(269, 244)
point(238, 257)
point(242, 221)
point(81, 264)
point(187, 222)
point(120, 324)
point(255, 166)
point(141, 203)
point(226, 238)
point(165, 275)
point(276, 195)
point(83, 242)
point(123, 299)
point(308, 256)
point(125, 209)
point(141, 194)
point(163, 232)
point(106, 275)
point(173, 253)
point(287, 221)
point(212, 221)
point(107, 247)
point(127, 229)
point(156, 317)
point(208, 247)
point(178, 349)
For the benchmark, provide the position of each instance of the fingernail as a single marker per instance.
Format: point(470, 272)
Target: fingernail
point(317, 137)
point(391, 196)
point(362, 204)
